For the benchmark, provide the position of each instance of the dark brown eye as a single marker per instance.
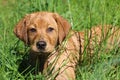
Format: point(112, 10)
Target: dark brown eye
point(32, 30)
point(50, 29)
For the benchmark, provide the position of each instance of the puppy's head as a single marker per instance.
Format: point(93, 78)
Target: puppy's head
point(42, 31)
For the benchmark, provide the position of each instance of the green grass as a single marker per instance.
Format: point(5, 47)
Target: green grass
point(82, 14)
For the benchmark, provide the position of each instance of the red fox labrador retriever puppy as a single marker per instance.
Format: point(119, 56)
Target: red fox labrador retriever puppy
point(55, 47)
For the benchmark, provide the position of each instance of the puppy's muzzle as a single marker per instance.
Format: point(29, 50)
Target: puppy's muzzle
point(41, 45)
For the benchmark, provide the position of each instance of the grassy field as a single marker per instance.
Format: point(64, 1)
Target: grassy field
point(82, 14)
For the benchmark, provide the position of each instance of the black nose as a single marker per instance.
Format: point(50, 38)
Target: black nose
point(41, 45)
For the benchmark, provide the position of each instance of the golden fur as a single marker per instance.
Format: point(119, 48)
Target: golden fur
point(55, 46)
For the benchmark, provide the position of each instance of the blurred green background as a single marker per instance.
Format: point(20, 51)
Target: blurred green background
point(82, 14)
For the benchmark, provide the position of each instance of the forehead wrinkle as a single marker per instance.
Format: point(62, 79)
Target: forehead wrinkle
point(41, 23)
point(43, 20)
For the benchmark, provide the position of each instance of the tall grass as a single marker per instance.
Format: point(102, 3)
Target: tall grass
point(82, 14)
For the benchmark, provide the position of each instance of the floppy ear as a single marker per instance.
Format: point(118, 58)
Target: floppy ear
point(20, 29)
point(63, 27)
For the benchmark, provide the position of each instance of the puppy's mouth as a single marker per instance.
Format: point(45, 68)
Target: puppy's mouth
point(42, 47)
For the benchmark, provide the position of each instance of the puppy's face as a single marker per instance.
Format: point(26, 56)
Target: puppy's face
point(42, 31)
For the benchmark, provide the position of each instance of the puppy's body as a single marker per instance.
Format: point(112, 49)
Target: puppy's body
point(56, 48)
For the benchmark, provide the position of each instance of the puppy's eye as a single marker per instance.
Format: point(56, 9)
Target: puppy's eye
point(32, 30)
point(50, 29)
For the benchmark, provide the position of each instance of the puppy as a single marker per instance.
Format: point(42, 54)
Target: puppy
point(54, 47)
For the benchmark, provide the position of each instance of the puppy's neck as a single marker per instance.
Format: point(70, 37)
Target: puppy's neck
point(38, 61)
